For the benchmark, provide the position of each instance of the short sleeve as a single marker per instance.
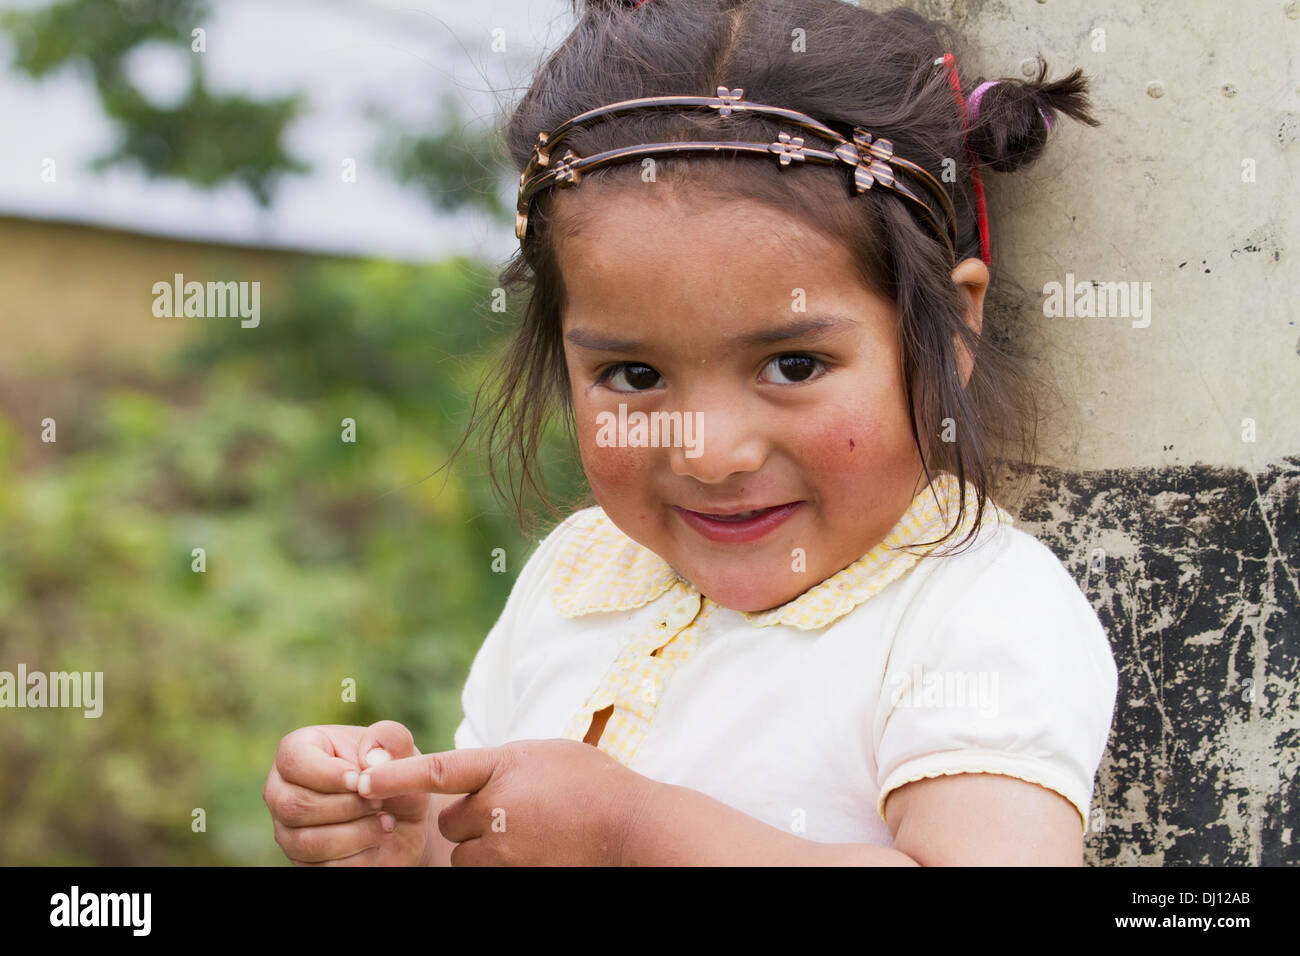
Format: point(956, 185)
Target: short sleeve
point(488, 696)
point(1014, 676)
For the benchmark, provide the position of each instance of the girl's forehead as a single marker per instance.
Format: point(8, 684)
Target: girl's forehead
point(632, 236)
point(683, 290)
point(701, 265)
point(628, 207)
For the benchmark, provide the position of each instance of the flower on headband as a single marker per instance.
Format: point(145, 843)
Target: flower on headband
point(728, 97)
point(871, 157)
point(565, 173)
point(788, 147)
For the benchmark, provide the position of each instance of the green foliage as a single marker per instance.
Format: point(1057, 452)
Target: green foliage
point(96, 32)
point(204, 140)
point(325, 560)
point(453, 166)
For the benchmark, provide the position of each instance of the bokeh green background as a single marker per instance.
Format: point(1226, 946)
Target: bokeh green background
point(325, 560)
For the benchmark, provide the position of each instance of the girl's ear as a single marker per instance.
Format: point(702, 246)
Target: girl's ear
point(972, 277)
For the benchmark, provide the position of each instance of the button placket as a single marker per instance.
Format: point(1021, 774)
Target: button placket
point(682, 613)
point(636, 680)
point(638, 694)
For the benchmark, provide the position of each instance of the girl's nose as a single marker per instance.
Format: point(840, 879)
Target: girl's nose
point(728, 441)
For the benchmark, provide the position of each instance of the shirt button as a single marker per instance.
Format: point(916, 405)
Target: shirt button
point(683, 612)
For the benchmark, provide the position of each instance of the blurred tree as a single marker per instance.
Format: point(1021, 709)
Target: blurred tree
point(205, 139)
point(453, 166)
point(208, 139)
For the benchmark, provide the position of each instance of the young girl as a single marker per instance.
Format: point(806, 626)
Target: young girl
point(794, 627)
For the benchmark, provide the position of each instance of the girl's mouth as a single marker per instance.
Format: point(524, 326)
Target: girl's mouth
point(732, 529)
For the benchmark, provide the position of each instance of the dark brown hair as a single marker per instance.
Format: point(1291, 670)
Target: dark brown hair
point(858, 68)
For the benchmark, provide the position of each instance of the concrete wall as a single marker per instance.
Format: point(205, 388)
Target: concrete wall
point(1171, 486)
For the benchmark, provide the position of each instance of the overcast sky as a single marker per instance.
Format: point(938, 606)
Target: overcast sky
point(344, 55)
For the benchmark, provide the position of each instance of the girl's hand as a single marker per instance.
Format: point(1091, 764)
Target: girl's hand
point(549, 802)
point(319, 818)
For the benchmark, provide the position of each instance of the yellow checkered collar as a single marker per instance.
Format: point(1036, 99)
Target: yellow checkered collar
point(599, 568)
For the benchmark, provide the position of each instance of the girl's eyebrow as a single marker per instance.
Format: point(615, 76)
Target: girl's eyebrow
point(812, 328)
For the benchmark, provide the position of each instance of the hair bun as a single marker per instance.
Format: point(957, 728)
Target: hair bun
point(1012, 122)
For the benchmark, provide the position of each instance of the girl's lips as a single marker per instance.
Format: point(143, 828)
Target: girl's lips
point(735, 532)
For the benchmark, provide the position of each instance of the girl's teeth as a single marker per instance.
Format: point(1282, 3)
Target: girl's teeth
point(743, 516)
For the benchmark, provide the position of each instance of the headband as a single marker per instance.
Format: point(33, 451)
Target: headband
point(872, 158)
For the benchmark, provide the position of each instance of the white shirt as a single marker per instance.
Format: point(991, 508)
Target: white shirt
point(806, 716)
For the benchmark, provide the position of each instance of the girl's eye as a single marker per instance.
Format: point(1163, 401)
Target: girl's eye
point(796, 367)
point(639, 377)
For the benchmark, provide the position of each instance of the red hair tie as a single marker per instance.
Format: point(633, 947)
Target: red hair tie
point(950, 62)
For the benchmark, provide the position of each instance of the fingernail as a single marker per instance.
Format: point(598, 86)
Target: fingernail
point(387, 821)
point(350, 780)
point(377, 756)
point(363, 784)
point(376, 803)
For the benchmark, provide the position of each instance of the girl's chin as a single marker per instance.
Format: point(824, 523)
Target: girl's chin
point(746, 598)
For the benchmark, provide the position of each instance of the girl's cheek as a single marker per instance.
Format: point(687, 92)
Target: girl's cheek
point(860, 462)
point(609, 467)
point(846, 444)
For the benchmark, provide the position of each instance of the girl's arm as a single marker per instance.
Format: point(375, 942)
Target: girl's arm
point(968, 819)
point(678, 826)
point(984, 819)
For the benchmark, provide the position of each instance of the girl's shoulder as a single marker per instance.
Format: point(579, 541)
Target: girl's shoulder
point(1010, 599)
point(1003, 561)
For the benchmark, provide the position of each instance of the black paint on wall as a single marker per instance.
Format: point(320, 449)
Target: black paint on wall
point(1193, 572)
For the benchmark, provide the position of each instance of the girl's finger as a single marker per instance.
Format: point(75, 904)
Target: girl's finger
point(333, 841)
point(306, 757)
point(472, 853)
point(451, 771)
point(364, 858)
point(297, 806)
point(462, 818)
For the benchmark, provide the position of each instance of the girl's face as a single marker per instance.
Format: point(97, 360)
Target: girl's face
point(759, 333)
